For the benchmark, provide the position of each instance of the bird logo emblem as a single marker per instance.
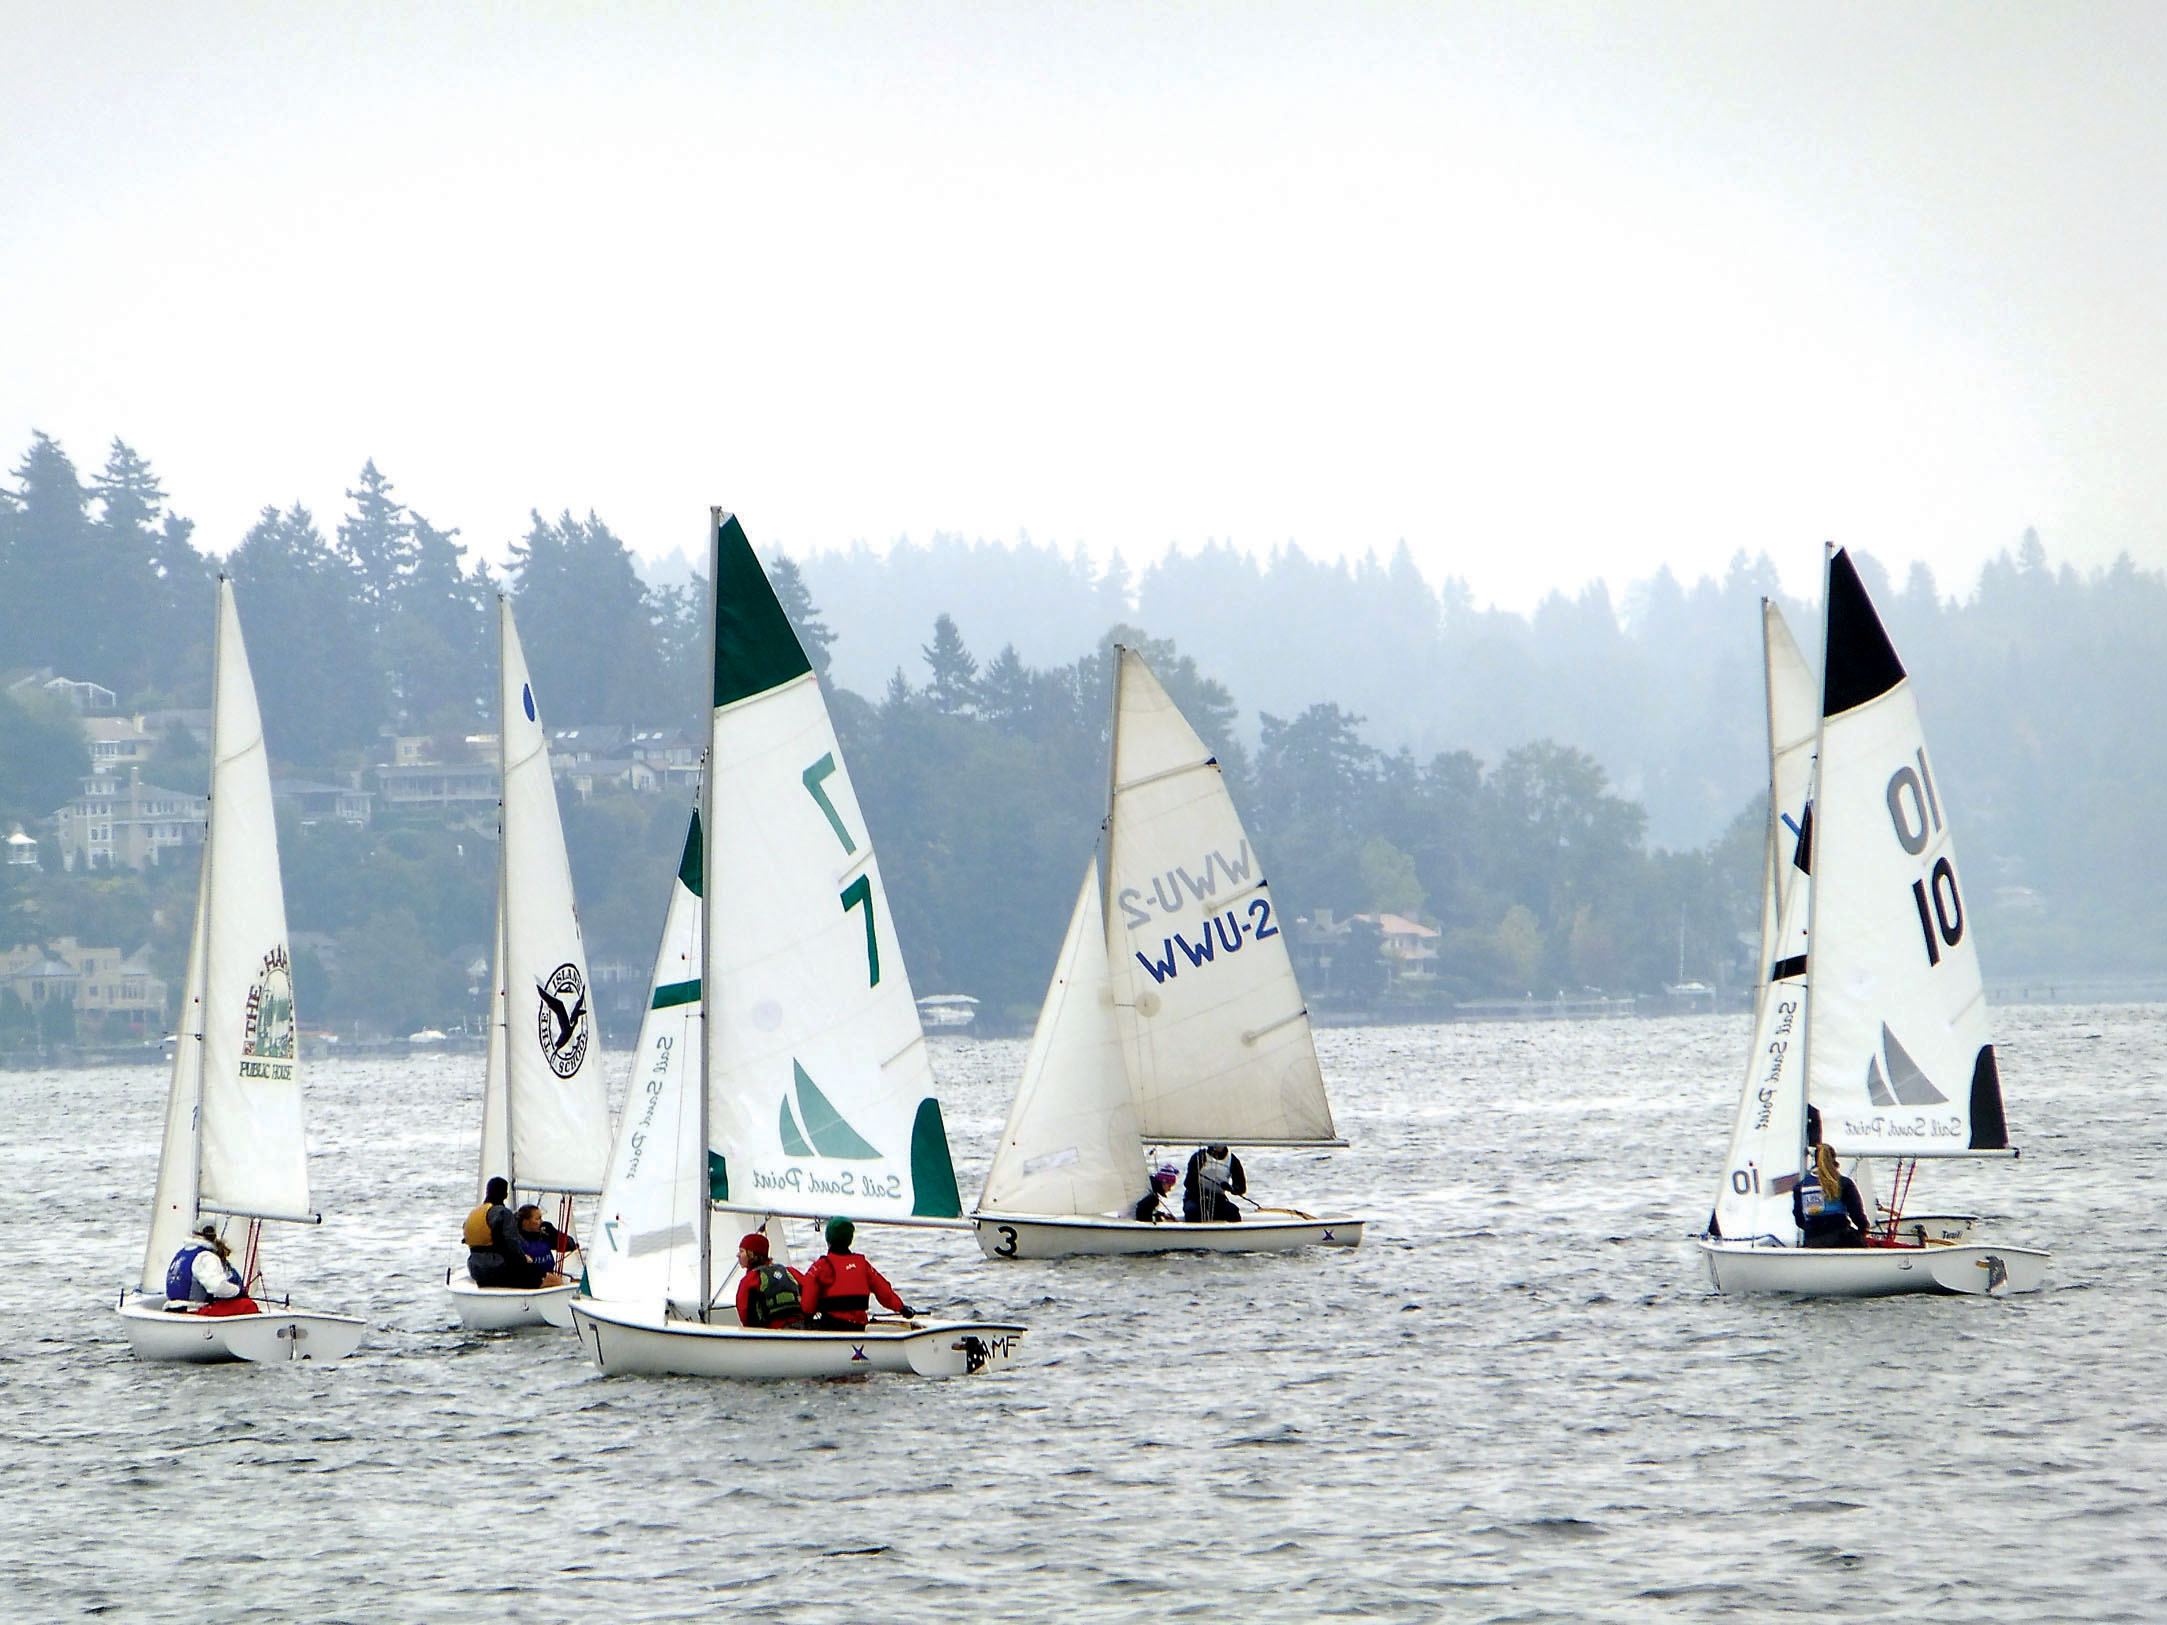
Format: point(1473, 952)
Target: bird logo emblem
point(561, 1022)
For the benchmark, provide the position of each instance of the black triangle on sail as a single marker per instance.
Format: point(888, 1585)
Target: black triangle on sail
point(1912, 1086)
point(1860, 663)
point(1802, 854)
point(1988, 1130)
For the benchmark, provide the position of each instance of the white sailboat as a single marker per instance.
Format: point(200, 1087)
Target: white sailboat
point(1174, 1017)
point(545, 1113)
point(234, 1153)
point(1873, 1012)
point(817, 1096)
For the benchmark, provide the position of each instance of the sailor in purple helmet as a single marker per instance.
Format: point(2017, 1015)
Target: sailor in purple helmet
point(1151, 1207)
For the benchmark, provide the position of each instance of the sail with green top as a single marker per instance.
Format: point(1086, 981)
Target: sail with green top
point(820, 1094)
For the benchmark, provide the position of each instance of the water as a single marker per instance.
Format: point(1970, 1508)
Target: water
point(1517, 1402)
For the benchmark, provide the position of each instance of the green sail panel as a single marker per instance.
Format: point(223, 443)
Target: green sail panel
point(689, 867)
point(932, 1174)
point(756, 648)
point(824, 1125)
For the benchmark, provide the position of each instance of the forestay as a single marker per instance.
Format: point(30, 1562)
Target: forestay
point(654, 1197)
point(1214, 1031)
point(559, 1113)
point(1071, 1144)
point(820, 1093)
point(1901, 1062)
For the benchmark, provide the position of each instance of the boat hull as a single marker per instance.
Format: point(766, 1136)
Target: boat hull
point(506, 1309)
point(627, 1341)
point(1038, 1235)
point(1970, 1269)
point(271, 1337)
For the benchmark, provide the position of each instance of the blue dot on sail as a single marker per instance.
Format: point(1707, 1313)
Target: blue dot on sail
point(526, 698)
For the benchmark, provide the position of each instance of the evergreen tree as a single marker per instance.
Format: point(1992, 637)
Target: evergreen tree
point(587, 625)
point(790, 590)
point(954, 689)
point(317, 678)
point(48, 580)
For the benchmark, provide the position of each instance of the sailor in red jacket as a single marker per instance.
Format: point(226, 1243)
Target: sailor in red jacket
point(768, 1294)
point(839, 1285)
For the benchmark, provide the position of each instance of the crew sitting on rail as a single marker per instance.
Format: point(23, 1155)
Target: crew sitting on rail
point(202, 1280)
point(840, 1283)
point(1214, 1179)
point(496, 1253)
point(769, 1295)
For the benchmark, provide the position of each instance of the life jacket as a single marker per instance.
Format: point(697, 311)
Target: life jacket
point(1820, 1214)
point(477, 1228)
point(774, 1300)
point(181, 1282)
point(851, 1292)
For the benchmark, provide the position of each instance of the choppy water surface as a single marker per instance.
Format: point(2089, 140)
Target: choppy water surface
point(1517, 1401)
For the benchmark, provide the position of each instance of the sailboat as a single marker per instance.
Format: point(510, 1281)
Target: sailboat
point(545, 1113)
point(1173, 1018)
point(234, 1154)
point(1872, 1013)
point(814, 1094)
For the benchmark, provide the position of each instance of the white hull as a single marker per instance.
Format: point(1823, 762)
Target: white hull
point(624, 1341)
point(1027, 1235)
point(267, 1338)
point(507, 1308)
point(1874, 1272)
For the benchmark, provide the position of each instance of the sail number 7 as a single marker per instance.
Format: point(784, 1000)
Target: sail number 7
point(860, 890)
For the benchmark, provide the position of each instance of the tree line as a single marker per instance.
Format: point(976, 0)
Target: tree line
point(983, 775)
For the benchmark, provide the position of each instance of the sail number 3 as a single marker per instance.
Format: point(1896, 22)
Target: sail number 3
point(1915, 813)
point(859, 891)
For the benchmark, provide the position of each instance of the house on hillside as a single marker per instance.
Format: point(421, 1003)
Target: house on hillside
point(89, 699)
point(119, 822)
point(323, 803)
point(22, 850)
point(115, 995)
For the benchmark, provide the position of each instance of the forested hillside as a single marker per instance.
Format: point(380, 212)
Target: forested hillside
point(1570, 799)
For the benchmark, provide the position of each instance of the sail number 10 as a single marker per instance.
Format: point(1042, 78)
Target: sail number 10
point(1915, 813)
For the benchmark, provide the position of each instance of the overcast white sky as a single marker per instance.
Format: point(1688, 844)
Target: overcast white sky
point(1551, 292)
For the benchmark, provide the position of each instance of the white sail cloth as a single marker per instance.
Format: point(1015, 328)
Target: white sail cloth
point(647, 1246)
point(1901, 1056)
point(558, 1111)
point(1214, 1031)
point(1794, 728)
point(1071, 1144)
point(234, 1140)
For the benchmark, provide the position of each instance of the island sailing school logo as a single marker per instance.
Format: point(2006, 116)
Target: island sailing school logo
point(267, 1039)
point(561, 1021)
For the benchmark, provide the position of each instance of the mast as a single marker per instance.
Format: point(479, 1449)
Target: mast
point(1811, 842)
point(503, 999)
point(1113, 777)
point(195, 1110)
point(707, 910)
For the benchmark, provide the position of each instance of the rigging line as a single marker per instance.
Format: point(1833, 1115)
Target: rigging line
point(1165, 773)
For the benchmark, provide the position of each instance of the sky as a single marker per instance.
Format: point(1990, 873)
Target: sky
point(1550, 292)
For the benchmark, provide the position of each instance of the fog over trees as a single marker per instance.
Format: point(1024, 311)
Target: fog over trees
point(1570, 798)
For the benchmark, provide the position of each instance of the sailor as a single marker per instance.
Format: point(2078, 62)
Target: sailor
point(840, 1283)
point(769, 1295)
point(1827, 1206)
point(495, 1256)
point(202, 1278)
point(542, 1241)
point(1151, 1206)
point(1208, 1190)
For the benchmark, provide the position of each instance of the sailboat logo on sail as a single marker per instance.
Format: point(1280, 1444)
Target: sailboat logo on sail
point(562, 1022)
point(267, 1039)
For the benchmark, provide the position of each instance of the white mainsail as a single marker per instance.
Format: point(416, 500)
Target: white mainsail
point(1901, 1061)
point(655, 1195)
point(1071, 1143)
point(557, 1108)
point(234, 1140)
point(819, 1091)
point(1214, 1030)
